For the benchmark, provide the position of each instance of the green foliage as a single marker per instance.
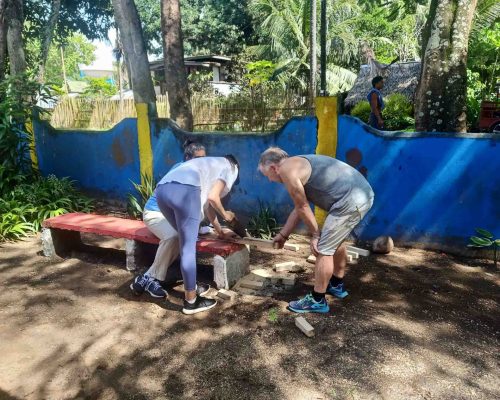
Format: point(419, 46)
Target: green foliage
point(24, 208)
point(398, 112)
point(77, 50)
point(485, 240)
point(18, 99)
point(273, 315)
point(93, 19)
point(208, 26)
point(362, 111)
point(483, 60)
point(99, 87)
point(475, 89)
point(264, 224)
point(260, 72)
point(136, 202)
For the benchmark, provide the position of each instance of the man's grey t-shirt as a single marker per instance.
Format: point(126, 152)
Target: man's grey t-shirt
point(335, 186)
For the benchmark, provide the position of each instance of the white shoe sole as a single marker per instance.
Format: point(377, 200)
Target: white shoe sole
point(197, 310)
point(156, 296)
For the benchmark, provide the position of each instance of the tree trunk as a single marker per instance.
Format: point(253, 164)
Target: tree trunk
point(47, 37)
point(175, 71)
point(441, 97)
point(3, 38)
point(134, 49)
point(15, 45)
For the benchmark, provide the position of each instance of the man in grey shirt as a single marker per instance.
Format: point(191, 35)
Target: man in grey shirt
point(338, 189)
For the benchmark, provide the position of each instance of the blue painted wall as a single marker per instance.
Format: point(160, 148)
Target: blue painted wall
point(102, 161)
point(107, 161)
point(298, 136)
point(429, 187)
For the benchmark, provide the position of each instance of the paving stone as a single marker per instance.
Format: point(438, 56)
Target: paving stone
point(289, 266)
point(227, 294)
point(249, 284)
point(304, 326)
point(292, 247)
point(311, 259)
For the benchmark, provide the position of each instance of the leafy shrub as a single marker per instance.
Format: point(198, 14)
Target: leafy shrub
point(18, 98)
point(264, 224)
point(362, 111)
point(99, 87)
point(136, 202)
point(485, 240)
point(24, 208)
point(474, 96)
point(398, 112)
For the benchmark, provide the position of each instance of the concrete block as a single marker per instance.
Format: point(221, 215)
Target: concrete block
point(262, 274)
point(228, 271)
point(292, 247)
point(304, 326)
point(132, 253)
point(289, 266)
point(353, 254)
point(249, 284)
point(59, 242)
point(275, 281)
point(226, 294)
point(311, 259)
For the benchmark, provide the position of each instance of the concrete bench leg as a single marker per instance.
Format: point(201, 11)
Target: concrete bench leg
point(59, 242)
point(229, 270)
point(134, 254)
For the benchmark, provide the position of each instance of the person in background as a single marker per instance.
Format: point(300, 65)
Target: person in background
point(338, 189)
point(183, 195)
point(168, 248)
point(376, 101)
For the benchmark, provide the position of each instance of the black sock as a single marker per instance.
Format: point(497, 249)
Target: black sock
point(336, 281)
point(318, 296)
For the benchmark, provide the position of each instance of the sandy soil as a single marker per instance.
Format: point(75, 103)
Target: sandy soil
point(417, 325)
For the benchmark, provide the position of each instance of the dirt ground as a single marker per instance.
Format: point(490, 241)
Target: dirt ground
point(416, 325)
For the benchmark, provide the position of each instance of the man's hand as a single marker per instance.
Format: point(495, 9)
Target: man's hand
point(314, 245)
point(279, 241)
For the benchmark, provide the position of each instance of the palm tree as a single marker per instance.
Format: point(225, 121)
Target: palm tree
point(285, 27)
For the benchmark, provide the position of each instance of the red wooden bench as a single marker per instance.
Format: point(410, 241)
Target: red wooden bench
point(61, 234)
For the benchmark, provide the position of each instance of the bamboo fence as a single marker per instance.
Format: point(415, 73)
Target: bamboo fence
point(210, 114)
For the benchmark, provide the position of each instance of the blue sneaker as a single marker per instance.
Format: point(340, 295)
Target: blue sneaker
point(308, 304)
point(154, 289)
point(143, 283)
point(337, 291)
point(139, 284)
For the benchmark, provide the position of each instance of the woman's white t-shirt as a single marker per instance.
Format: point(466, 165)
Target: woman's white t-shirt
point(203, 172)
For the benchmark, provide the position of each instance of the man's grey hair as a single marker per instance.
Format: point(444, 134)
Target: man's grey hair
point(273, 155)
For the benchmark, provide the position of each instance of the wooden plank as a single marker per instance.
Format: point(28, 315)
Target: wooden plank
point(361, 252)
point(263, 243)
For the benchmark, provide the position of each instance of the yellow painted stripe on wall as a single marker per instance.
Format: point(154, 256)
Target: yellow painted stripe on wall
point(144, 139)
point(326, 113)
point(32, 147)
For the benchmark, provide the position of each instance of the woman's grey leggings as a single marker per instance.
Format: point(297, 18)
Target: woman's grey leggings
point(181, 206)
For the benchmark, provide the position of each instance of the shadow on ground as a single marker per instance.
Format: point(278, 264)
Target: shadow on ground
point(416, 325)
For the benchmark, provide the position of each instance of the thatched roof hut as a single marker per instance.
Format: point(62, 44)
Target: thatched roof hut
point(399, 78)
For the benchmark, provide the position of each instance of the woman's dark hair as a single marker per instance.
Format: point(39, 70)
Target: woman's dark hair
point(233, 161)
point(190, 149)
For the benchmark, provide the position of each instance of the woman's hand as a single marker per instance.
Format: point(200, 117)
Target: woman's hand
point(226, 234)
point(279, 241)
point(229, 216)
